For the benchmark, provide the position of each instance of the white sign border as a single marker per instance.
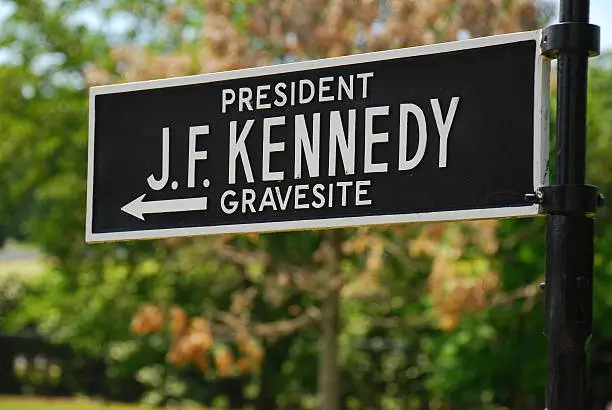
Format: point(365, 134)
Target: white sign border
point(540, 152)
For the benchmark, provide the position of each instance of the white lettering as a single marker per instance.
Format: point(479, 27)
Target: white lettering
point(444, 126)
point(413, 109)
point(344, 185)
point(233, 205)
point(261, 95)
point(364, 83)
point(228, 98)
point(337, 139)
point(372, 138)
point(303, 99)
point(281, 94)
point(161, 183)
point(323, 88)
point(348, 88)
point(283, 201)
point(238, 147)
point(304, 145)
point(248, 197)
point(270, 147)
point(299, 195)
point(193, 154)
point(316, 190)
point(359, 192)
point(268, 200)
point(244, 97)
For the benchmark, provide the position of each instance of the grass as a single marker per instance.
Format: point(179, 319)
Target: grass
point(11, 403)
point(42, 403)
point(26, 261)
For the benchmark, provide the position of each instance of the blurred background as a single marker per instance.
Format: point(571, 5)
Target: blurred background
point(436, 316)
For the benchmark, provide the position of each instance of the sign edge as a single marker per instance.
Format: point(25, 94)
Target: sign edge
point(273, 69)
point(321, 223)
point(89, 235)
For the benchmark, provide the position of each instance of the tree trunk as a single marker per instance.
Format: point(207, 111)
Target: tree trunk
point(329, 372)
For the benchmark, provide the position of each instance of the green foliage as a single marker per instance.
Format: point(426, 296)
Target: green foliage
point(599, 173)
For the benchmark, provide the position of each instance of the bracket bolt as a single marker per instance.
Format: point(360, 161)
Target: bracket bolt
point(536, 197)
point(582, 283)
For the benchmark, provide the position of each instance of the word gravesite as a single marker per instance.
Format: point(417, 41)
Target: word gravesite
point(428, 133)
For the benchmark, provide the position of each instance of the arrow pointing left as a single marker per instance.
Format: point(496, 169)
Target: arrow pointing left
point(138, 207)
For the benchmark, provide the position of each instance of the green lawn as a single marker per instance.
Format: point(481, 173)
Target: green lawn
point(41, 403)
point(59, 404)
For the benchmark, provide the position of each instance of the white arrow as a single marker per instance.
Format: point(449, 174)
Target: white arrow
point(138, 207)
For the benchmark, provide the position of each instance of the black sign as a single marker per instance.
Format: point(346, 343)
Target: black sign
point(443, 132)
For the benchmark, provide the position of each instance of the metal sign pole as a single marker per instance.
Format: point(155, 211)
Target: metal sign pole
point(570, 206)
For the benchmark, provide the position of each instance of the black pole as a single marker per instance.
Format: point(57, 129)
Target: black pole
point(570, 205)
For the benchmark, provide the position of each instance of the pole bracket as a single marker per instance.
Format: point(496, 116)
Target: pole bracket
point(570, 37)
point(568, 199)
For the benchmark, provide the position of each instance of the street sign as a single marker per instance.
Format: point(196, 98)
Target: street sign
point(443, 132)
